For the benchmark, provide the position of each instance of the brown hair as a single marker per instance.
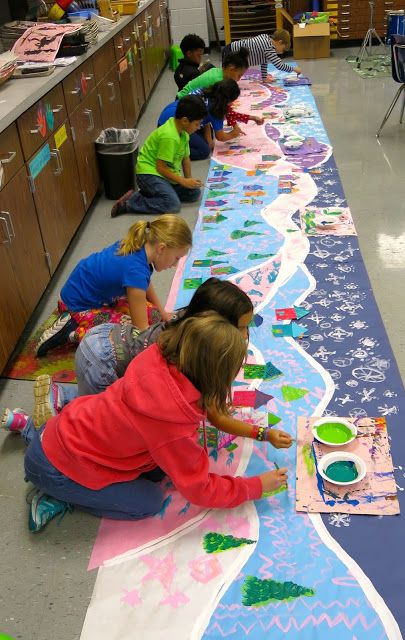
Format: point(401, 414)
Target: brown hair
point(209, 351)
point(282, 35)
point(169, 229)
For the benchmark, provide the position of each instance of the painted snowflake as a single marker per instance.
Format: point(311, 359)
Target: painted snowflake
point(359, 324)
point(339, 519)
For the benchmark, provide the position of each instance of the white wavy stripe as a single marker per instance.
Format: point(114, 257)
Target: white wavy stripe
point(390, 624)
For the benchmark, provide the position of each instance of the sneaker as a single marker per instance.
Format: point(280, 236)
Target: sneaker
point(43, 509)
point(57, 334)
point(46, 397)
point(14, 420)
point(121, 205)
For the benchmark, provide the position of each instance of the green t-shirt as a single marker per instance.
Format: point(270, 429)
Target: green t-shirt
point(167, 144)
point(216, 74)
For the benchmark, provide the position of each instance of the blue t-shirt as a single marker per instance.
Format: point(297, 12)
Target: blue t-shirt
point(170, 112)
point(101, 277)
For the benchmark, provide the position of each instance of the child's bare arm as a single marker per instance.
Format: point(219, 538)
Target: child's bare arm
point(137, 307)
point(153, 298)
point(279, 439)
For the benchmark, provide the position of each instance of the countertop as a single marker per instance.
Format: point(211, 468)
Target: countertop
point(19, 94)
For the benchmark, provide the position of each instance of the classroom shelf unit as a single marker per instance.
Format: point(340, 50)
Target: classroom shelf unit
point(244, 19)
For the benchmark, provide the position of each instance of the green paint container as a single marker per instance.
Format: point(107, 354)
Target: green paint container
point(334, 432)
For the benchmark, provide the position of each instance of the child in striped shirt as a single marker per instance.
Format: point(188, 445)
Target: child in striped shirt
point(264, 49)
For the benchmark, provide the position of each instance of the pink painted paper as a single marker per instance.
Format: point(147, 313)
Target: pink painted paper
point(41, 42)
point(375, 495)
point(116, 537)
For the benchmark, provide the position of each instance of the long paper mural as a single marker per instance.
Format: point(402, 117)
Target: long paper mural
point(275, 221)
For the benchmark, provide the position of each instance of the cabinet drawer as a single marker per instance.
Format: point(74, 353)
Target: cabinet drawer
point(103, 60)
point(11, 157)
point(44, 117)
point(78, 85)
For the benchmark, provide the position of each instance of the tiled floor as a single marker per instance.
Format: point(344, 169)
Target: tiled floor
point(45, 588)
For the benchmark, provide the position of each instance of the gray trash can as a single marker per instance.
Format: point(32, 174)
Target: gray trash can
point(117, 150)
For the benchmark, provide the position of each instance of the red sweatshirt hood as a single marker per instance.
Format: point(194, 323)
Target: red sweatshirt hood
point(162, 392)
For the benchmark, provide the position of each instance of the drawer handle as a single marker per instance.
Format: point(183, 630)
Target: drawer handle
point(58, 108)
point(36, 130)
point(127, 39)
point(55, 153)
point(89, 113)
point(75, 92)
point(112, 87)
point(7, 230)
point(119, 46)
point(90, 76)
point(11, 156)
point(7, 213)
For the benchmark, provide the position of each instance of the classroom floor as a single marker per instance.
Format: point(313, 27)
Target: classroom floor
point(45, 586)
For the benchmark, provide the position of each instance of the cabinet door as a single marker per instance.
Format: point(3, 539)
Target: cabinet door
point(12, 311)
point(25, 246)
point(86, 126)
point(68, 179)
point(46, 185)
point(44, 117)
point(11, 157)
point(78, 84)
point(110, 100)
point(128, 91)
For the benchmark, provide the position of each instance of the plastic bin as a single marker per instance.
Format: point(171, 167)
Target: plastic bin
point(117, 150)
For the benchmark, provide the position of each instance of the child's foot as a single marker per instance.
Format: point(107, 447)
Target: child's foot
point(43, 509)
point(14, 420)
point(57, 334)
point(46, 400)
point(121, 205)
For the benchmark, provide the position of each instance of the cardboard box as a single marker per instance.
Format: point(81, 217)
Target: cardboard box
point(311, 41)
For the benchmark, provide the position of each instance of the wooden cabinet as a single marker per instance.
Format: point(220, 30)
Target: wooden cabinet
point(78, 84)
point(24, 271)
point(86, 125)
point(352, 17)
point(128, 90)
point(59, 204)
point(11, 157)
point(110, 100)
point(38, 122)
point(103, 61)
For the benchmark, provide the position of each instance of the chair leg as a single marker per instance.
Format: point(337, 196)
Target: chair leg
point(403, 107)
point(390, 108)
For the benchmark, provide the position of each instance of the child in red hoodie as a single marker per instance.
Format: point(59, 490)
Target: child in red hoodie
point(104, 453)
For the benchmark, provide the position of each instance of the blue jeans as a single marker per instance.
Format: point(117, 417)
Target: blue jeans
point(158, 195)
point(95, 361)
point(199, 149)
point(131, 500)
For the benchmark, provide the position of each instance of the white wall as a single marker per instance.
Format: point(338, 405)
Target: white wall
point(188, 16)
point(217, 5)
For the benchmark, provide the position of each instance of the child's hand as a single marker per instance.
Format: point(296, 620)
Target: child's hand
point(279, 439)
point(237, 131)
point(269, 78)
point(272, 480)
point(191, 183)
point(166, 315)
point(298, 70)
point(257, 119)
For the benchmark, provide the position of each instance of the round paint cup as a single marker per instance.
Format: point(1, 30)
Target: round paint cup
point(340, 459)
point(334, 432)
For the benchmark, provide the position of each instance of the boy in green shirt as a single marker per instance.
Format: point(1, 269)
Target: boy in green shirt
point(234, 66)
point(161, 160)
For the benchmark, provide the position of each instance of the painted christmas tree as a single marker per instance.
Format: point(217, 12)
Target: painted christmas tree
point(217, 542)
point(292, 393)
point(257, 593)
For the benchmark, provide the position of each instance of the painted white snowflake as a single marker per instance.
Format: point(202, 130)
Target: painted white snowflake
point(390, 394)
point(352, 383)
point(368, 342)
point(358, 324)
point(385, 410)
point(339, 519)
point(336, 317)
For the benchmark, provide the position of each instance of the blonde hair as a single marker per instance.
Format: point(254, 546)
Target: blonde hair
point(209, 351)
point(282, 35)
point(169, 229)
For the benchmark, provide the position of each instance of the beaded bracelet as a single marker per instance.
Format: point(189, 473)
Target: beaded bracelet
point(255, 431)
point(260, 433)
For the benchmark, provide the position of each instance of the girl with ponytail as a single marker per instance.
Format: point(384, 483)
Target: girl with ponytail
point(115, 282)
